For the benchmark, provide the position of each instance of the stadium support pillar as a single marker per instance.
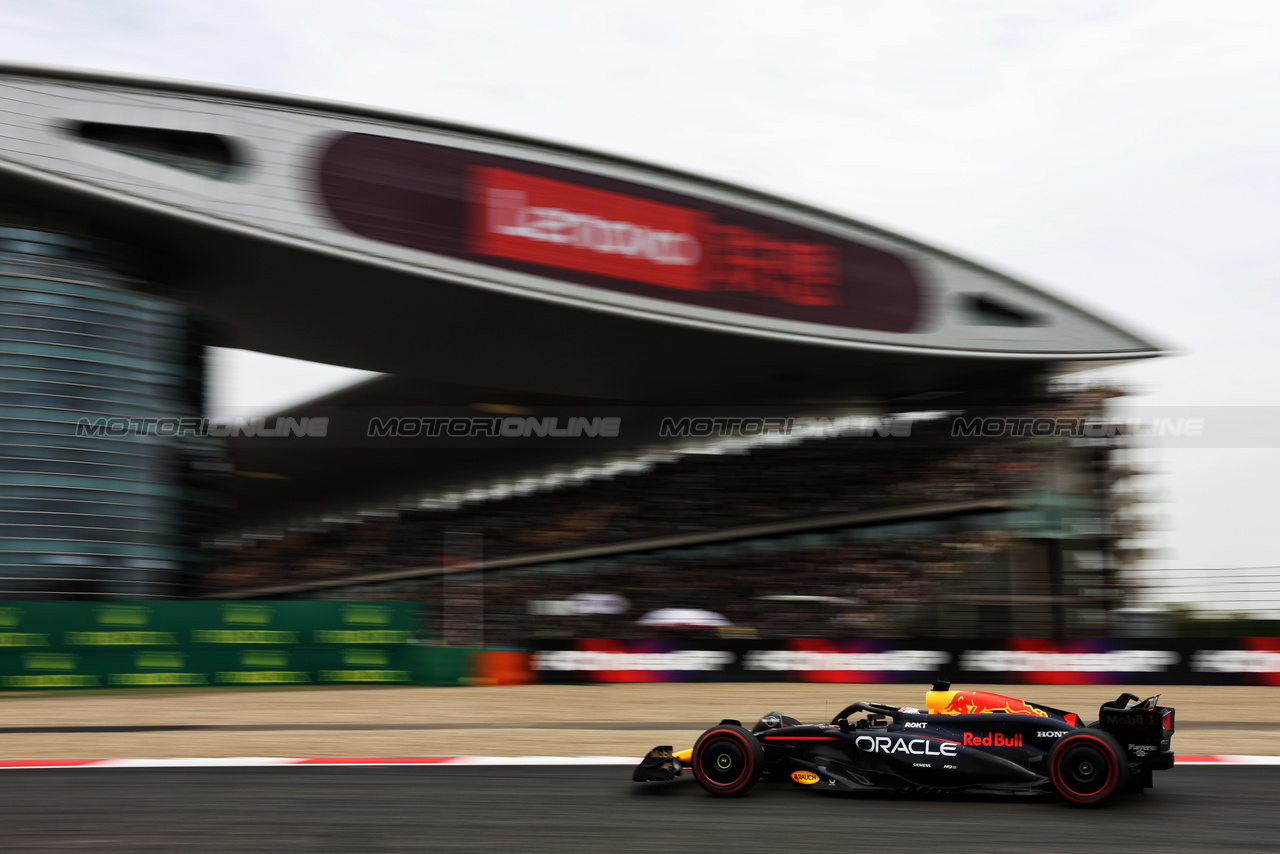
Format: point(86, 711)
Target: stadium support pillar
point(1057, 618)
point(462, 602)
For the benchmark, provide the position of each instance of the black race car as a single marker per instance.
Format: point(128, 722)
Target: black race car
point(972, 741)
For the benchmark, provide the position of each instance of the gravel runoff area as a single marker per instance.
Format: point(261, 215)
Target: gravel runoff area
point(617, 720)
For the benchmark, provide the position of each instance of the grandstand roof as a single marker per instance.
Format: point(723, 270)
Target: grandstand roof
point(485, 260)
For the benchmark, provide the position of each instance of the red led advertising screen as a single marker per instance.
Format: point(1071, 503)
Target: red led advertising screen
point(610, 234)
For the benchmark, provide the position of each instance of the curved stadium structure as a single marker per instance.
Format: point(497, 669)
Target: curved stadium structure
point(144, 219)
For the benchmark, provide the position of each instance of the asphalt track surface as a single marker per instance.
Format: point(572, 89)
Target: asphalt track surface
point(597, 809)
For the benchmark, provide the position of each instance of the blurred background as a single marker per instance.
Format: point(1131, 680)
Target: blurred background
point(1111, 163)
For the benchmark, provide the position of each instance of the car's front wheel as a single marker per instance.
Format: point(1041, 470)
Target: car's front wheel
point(727, 760)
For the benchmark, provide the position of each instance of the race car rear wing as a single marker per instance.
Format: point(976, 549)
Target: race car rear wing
point(1143, 727)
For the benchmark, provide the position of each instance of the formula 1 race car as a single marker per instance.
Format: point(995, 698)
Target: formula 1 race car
point(971, 741)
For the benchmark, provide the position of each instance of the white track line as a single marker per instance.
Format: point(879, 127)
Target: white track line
point(196, 762)
point(1227, 760)
point(314, 761)
point(550, 760)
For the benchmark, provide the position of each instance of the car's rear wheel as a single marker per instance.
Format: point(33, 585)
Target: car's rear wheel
point(727, 760)
point(1088, 768)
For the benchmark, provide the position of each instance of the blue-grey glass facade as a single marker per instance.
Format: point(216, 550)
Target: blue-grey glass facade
point(116, 513)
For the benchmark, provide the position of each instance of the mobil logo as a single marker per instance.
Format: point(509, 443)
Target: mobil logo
point(992, 739)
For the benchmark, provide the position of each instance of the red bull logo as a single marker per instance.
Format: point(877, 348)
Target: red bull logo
point(978, 702)
point(992, 739)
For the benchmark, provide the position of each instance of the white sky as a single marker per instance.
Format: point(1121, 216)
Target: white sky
point(1121, 153)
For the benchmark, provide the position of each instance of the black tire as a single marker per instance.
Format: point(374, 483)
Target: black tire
point(1088, 768)
point(727, 760)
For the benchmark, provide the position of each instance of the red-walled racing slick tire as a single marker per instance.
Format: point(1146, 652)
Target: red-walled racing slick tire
point(1088, 768)
point(727, 760)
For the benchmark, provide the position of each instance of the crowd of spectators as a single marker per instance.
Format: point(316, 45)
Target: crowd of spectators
point(694, 493)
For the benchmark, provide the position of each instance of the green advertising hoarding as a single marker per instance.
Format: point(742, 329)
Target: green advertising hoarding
point(106, 645)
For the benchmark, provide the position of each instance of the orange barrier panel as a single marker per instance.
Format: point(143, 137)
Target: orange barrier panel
point(489, 667)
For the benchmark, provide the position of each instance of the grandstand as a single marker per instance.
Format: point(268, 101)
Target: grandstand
point(508, 287)
point(911, 536)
